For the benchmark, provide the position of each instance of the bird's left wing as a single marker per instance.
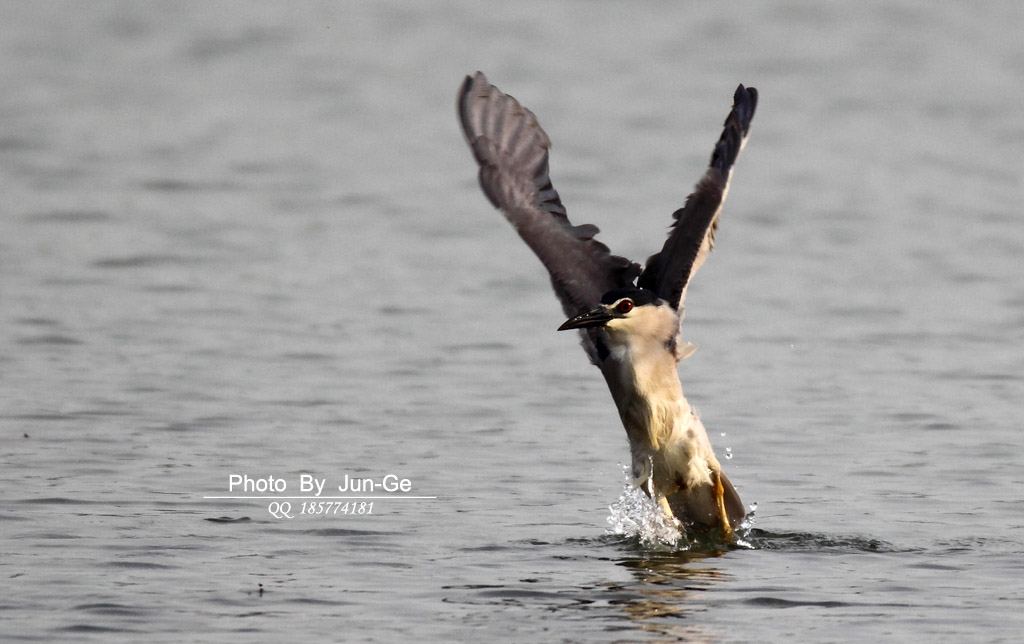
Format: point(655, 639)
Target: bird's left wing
point(512, 150)
point(692, 237)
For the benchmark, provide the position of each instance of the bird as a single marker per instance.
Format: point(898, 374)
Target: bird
point(629, 318)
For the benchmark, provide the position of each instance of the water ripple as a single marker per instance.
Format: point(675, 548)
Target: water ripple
point(797, 542)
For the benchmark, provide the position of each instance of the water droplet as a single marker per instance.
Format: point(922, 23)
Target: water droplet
point(728, 453)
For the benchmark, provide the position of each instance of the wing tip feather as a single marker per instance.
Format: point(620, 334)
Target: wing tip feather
point(682, 250)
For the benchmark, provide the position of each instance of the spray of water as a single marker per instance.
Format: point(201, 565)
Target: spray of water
point(637, 516)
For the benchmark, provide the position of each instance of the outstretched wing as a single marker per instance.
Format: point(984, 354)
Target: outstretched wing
point(512, 151)
point(693, 234)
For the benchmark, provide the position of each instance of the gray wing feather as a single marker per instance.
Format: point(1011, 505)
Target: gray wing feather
point(692, 237)
point(512, 150)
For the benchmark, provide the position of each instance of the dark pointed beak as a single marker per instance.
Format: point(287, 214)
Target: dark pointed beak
point(598, 317)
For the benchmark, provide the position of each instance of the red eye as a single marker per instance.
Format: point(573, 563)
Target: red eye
point(625, 306)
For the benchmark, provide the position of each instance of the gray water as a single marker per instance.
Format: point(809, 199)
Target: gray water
point(246, 239)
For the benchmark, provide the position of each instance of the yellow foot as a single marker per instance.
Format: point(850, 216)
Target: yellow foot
point(723, 516)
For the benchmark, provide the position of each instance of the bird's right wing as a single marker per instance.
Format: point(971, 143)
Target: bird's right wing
point(692, 236)
point(512, 151)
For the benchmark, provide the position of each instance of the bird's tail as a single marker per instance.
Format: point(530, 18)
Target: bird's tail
point(699, 506)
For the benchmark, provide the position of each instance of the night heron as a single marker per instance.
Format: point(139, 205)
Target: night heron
point(629, 318)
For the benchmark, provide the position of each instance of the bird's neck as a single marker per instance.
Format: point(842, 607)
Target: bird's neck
point(648, 392)
point(653, 373)
point(647, 358)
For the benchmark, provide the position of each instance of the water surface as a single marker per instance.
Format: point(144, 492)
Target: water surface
point(247, 239)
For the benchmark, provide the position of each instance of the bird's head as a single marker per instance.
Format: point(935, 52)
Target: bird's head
point(628, 309)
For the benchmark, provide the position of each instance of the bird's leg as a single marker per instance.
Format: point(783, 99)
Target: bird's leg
point(662, 502)
point(643, 474)
point(666, 509)
point(720, 502)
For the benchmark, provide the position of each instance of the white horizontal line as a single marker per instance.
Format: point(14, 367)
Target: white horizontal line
point(319, 498)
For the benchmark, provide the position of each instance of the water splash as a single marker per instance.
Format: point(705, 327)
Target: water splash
point(637, 516)
point(743, 530)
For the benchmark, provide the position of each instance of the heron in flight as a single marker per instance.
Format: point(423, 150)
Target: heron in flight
point(629, 318)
